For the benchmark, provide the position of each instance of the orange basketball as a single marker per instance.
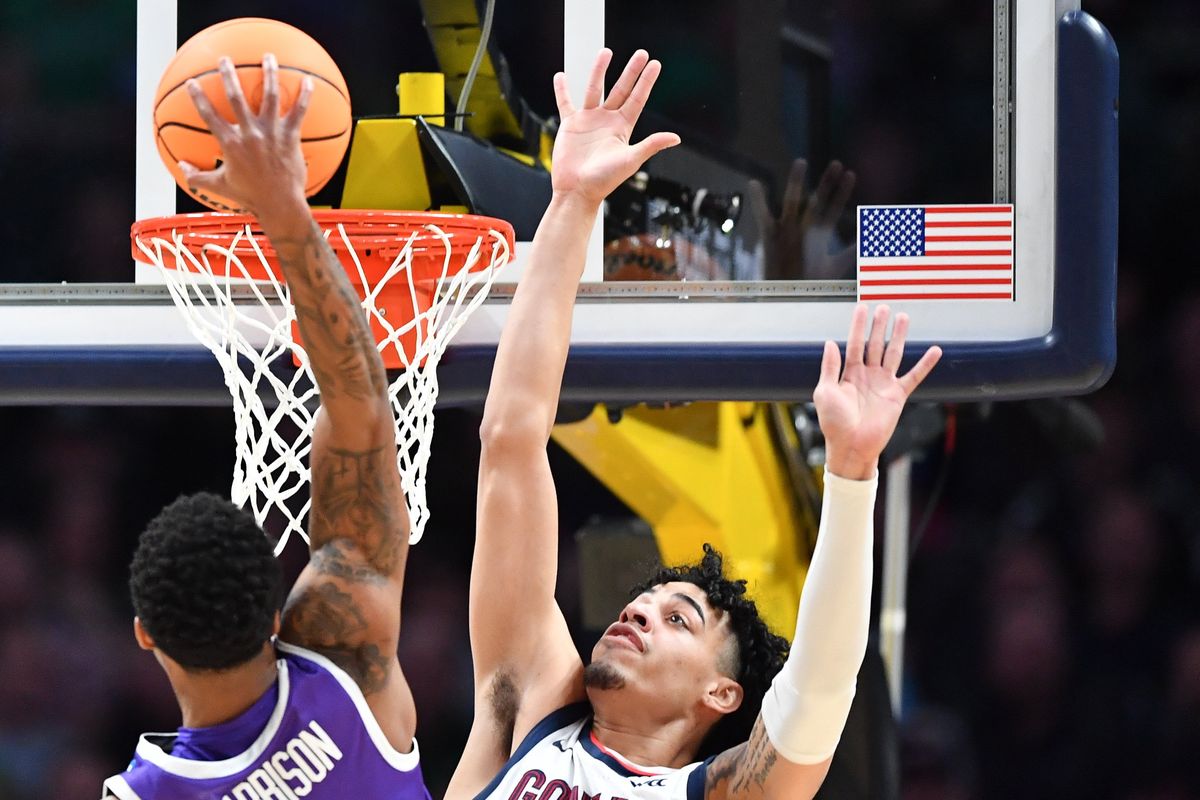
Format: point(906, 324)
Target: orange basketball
point(182, 136)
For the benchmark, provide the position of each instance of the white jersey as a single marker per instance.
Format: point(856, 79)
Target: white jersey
point(561, 759)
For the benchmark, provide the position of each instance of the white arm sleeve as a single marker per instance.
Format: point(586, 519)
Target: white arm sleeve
point(806, 707)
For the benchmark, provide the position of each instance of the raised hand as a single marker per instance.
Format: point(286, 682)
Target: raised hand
point(261, 159)
point(858, 411)
point(796, 244)
point(592, 153)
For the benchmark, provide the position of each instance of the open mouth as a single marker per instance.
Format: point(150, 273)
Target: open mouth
point(627, 634)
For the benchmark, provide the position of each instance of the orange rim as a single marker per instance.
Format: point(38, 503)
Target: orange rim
point(377, 237)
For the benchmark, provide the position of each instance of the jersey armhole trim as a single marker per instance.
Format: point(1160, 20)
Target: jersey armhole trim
point(118, 788)
point(402, 762)
point(697, 779)
point(552, 722)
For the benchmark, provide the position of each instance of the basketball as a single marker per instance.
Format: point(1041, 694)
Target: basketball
point(181, 134)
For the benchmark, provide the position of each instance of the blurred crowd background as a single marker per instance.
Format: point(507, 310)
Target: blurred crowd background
point(1054, 621)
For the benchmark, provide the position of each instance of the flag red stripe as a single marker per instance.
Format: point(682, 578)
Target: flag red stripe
point(968, 210)
point(922, 267)
point(980, 224)
point(968, 252)
point(947, 296)
point(967, 239)
point(943, 282)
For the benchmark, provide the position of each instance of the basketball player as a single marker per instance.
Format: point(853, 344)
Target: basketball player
point(324, 710)
point(689, 651)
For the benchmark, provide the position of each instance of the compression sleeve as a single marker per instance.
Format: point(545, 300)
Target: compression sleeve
point(805, 709)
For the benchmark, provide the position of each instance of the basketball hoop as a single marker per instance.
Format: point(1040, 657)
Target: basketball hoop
point(420, 276)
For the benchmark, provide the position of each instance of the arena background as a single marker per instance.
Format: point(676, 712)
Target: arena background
point(1054, 622)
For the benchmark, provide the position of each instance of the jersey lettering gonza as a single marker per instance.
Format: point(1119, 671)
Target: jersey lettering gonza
point(320, 742)
point(561, 759)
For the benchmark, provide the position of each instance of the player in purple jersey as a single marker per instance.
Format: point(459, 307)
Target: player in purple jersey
point(689, 652)
point(328, 714)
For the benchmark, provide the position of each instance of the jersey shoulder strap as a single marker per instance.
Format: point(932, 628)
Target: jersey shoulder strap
point(402, 762)
point(116, 787)
point(552, 723)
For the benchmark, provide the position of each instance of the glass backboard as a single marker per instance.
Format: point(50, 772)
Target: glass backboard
point(714, 275)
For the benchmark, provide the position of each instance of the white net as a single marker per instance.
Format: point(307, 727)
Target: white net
point(248, 326)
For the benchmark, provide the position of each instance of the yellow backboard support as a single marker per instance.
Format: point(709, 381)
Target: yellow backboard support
point(707, 472)
point(386, 170)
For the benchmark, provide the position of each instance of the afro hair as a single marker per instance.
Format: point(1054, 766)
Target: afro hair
point(205, 583)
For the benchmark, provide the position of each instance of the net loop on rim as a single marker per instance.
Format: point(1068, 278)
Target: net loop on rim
point(419, 277)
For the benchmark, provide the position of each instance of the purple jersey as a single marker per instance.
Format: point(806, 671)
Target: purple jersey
point(321, 741)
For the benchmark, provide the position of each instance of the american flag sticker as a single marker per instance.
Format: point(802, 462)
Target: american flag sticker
point(936, 253)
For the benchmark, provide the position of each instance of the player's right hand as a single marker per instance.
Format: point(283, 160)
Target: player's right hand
point(592, 154)
point(262, 164)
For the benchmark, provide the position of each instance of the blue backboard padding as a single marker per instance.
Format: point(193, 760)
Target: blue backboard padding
point(1077, 356)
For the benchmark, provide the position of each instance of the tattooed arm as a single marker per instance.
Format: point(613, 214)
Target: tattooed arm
point(754, 771)
point(346, 602)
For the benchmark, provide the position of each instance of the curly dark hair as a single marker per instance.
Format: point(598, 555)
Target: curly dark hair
point(205, 583)
point(759, 654)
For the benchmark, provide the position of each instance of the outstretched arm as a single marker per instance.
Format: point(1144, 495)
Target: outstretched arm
point(525, 663)
point(346, 602)
point(804, 711)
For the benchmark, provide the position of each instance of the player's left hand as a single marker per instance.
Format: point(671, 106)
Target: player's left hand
point(261, 161)
point(592, 154)
point(858, 411)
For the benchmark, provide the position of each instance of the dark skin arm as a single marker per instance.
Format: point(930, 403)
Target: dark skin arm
point(346, 603)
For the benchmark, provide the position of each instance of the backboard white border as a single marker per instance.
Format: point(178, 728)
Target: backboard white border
point(669, 319)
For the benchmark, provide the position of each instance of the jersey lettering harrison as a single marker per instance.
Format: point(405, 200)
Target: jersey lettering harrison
point(561, 759)
point(321, 742)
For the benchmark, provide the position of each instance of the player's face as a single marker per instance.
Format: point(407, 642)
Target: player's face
point(668, 645)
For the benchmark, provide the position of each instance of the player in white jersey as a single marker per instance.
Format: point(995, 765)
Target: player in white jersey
point(688, 655)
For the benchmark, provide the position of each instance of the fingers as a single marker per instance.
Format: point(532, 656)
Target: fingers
point(878, 331)
point(195, 178)
point(895, 346)
point(654, 143)
point(269, 111)
point(295, 115)
point(756, 195)
point(624, 85)
point(641, 92)
point(215, 122)
point(845, 187)
point(875, 348)
point(920, 370)
point(595, 85)
point(793, 195)
point(857, 337)
point(830, 180)
point(233, 90)
point(831, 364)
point(562, 96)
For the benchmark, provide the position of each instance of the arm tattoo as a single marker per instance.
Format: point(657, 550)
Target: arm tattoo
point(339, 342)
point(742, 771)
point(332, 560)
point(356, 496)
point(324, 618)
